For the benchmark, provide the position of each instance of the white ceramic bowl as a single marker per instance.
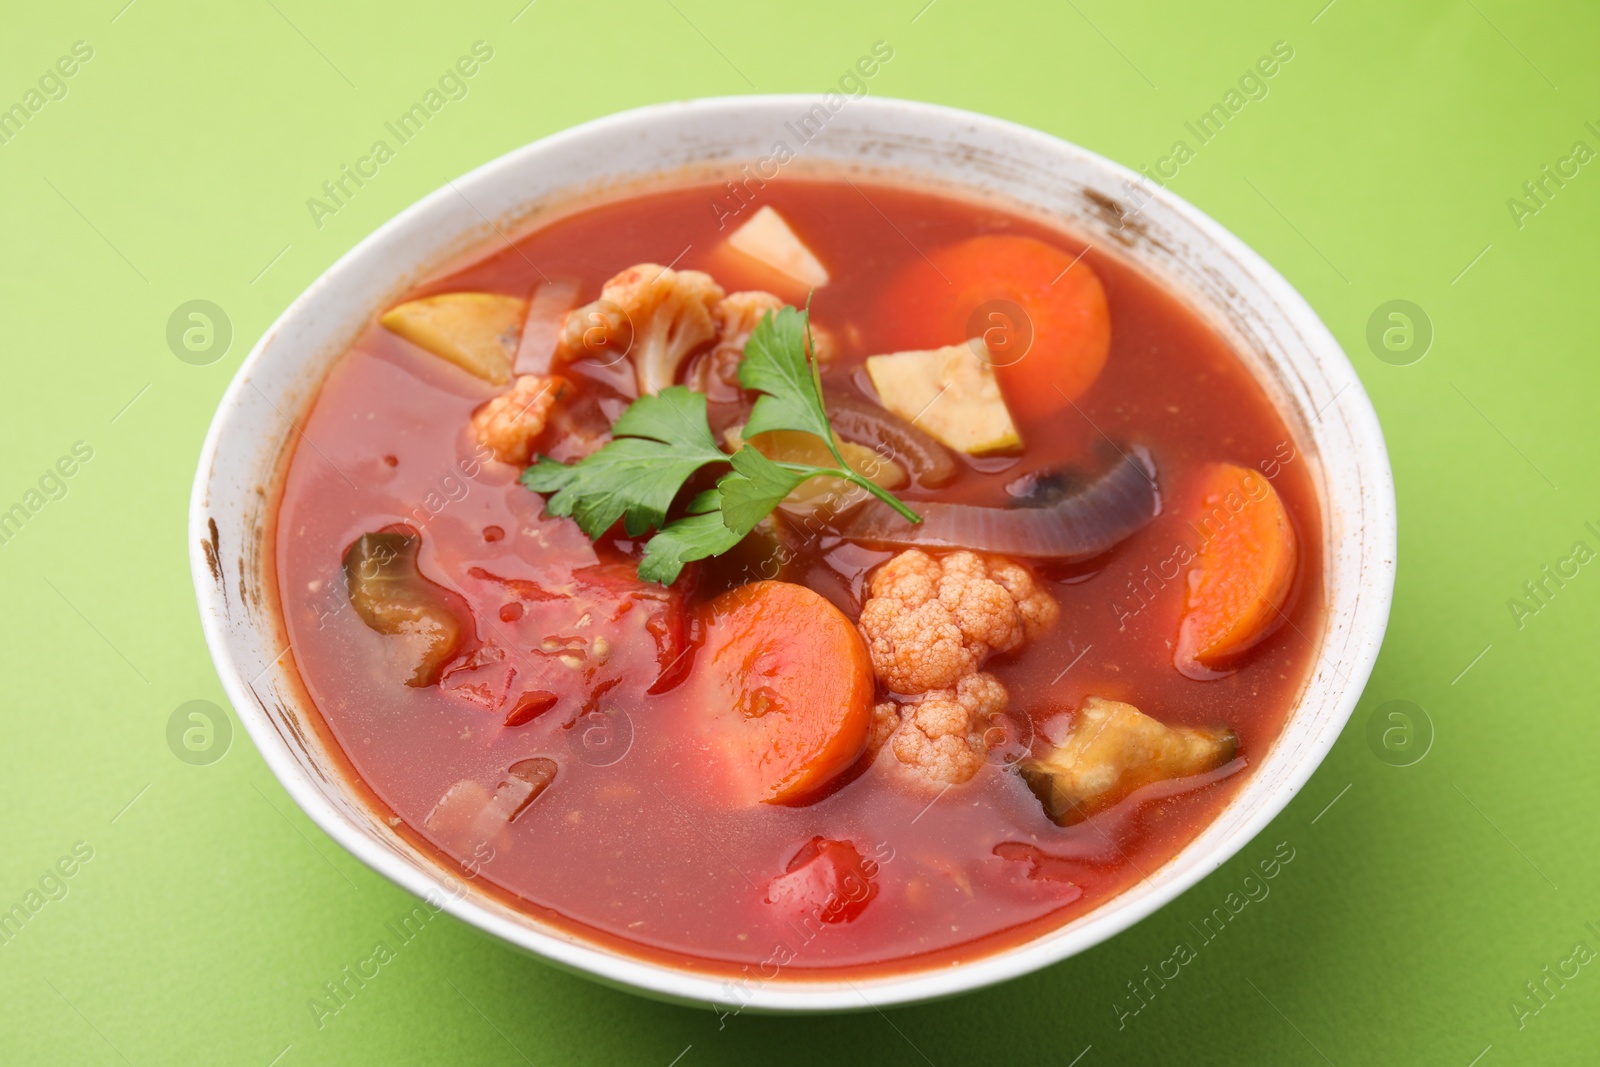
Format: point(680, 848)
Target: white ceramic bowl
point(1280, 338)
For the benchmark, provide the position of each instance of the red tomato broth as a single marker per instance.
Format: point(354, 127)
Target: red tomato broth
point(628, 846)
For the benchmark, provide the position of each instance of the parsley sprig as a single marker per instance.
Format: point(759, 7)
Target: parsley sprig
point(661, 441)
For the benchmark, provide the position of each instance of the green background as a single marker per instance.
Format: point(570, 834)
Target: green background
point(1377, 168)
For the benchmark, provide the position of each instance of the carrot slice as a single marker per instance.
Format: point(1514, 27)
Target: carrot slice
point(1243, 572)
point(1041, 311)
point(787, 685)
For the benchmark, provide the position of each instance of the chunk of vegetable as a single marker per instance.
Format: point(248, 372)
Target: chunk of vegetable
point(1243, 573)
point(475, 331)
point(653, 314)
point(932, 622)
point(1112, 749)
point(661, 614)
point(767, 237)
point(452, 820)
point(787, 687)
point(1040, 310)
point(951, 392)
point(531, 705)
point(824, 494)
point(546, 320)
point(525, 780)
point(468, 817)
point(392, 597)
point(827, 881)
point(511, 423)
point(483, 677)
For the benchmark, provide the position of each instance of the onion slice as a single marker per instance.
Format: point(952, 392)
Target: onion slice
point(547, 315)
point(1081, 526)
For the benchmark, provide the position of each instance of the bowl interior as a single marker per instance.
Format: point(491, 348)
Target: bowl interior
point(1271, 328)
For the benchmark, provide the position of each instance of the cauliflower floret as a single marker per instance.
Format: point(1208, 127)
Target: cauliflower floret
point(885, 721)
point(656, 314)
point(716, 373)
point(511, 422)
point(738, 314)
point(942, 735)
point(930, 621)
point(1037, 607)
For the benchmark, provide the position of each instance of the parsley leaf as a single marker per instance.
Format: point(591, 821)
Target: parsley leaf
point(662, 441)
point(778, 363)
point(658, 442)
point(698, 535)
point(756, 486)
point(775, 364)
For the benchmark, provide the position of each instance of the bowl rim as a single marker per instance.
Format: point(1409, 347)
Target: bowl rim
point(812, 993)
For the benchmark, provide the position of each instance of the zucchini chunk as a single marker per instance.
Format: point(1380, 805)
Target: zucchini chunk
point(1113, 749)
point(392, 597)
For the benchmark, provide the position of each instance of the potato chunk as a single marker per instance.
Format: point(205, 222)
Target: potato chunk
point(476, 331)
point(951, 393)
point(1113, 749)
point(768, 238)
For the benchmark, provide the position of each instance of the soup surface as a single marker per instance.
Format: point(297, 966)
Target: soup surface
point(760, 779)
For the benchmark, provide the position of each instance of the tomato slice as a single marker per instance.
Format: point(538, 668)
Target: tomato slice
point(666, 621)
point(1041, 311)
point(826, 880)
point(562, 640)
